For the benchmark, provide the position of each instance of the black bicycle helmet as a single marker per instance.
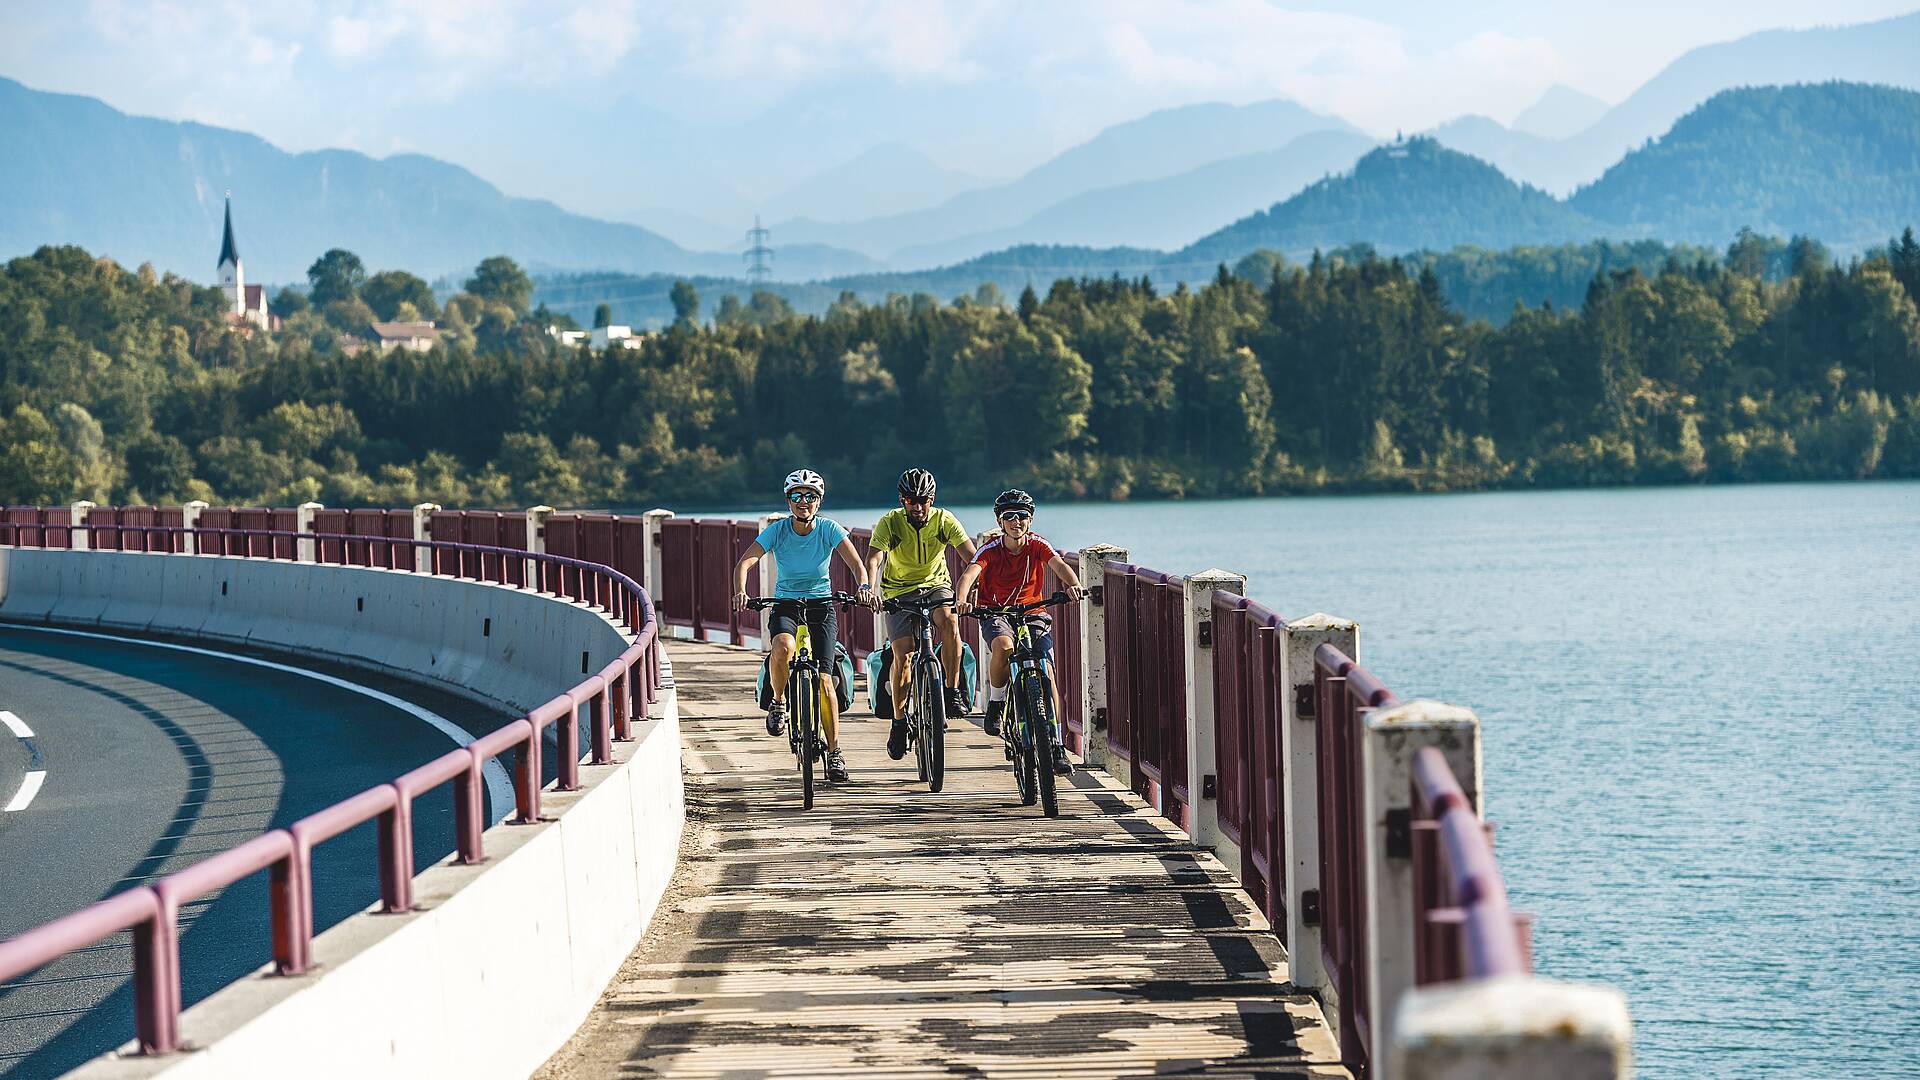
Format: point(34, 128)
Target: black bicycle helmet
point(1012, 499)
point(916, 484)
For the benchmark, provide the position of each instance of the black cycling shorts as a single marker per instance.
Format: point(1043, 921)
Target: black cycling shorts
point(823, 623)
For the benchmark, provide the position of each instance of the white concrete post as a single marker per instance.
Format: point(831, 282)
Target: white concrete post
point(1203, 770)
point(81, 539)
point(1389, 739)
point(650, 523)
point(304, 550)
point(189, 518)
point(1093, 651)
point(423, 530)
point(769, 574)
point(1300, 793)
point(1514, 1028)
point(537, 544)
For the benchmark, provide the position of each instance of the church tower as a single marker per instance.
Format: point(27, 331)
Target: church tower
point(231, 282)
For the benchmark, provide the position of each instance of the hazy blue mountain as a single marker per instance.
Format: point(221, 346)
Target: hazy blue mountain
point(1167, 212)
point(1560, 111)
point(890, 178)
point(1402, 197)
point(1877, 52)
point(1164, 143)
point(143, 190)
point(1836, 161)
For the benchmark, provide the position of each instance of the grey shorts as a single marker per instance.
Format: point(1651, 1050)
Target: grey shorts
point(1039, 627)
point(901, 624)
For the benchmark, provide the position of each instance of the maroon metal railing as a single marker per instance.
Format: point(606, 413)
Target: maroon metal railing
point(1463, 928)
point(623, 689)
point(1248, 708)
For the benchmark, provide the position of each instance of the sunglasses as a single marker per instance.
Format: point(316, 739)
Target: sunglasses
point(928, 501)
point(802, 497)
point(1015, 515)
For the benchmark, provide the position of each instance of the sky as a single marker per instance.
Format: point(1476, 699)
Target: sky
point(758, 93)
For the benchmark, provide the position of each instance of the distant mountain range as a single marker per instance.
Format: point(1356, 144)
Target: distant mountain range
point(1881, 52)
point(143, 190)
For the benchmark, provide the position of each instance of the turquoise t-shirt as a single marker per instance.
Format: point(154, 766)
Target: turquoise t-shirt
point(802, 560)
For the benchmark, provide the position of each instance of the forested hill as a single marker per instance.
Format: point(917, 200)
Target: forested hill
point(1840, 161)
point(1405, 196)
point(1348, 373)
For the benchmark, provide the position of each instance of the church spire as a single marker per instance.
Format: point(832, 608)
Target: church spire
point(229, 252)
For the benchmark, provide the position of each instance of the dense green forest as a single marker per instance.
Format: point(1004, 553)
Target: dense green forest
point(1349, 372)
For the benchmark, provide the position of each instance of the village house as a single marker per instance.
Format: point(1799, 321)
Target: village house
point(411, 336)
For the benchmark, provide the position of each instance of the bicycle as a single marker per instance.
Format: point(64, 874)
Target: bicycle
point(806, 690)
point(1027, 727)
point(926, 702)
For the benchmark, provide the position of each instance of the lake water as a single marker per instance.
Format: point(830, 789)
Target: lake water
point(1701, 713)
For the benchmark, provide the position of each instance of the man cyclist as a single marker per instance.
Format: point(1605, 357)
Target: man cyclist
point(1011, 569)
point(911, 545)
point(803, 545)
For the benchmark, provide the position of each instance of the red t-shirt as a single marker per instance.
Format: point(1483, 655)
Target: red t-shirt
point(1010, 577)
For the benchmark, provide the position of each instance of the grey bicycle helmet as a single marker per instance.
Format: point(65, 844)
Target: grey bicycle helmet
point(916, 484)
point(1012, 499)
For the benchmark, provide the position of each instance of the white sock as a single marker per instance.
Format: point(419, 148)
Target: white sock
point(996, 693)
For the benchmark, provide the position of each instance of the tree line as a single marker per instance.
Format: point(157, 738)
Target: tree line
point(1349, 372)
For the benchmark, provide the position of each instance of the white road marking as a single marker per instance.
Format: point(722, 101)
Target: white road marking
point(499, 785)
point(18, 726)
point(29, 787)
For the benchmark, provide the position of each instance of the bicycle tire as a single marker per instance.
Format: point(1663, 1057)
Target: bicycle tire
point(1013, 721)
point(1040, 722)
point(914, 723)
point(803, 691)
point(933, 719)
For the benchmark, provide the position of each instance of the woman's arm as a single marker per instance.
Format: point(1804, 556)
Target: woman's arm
point(747, 559)
point(851, 556)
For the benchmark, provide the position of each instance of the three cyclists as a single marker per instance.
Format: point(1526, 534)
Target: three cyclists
point(803, 545)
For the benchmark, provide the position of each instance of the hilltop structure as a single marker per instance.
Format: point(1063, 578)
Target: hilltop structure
point(246, 303)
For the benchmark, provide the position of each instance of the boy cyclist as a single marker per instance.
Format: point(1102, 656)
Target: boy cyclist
point(911, 544)
point(1010, 569)
point(803, 545)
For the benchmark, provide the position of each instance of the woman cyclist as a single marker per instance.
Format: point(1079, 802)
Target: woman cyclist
point(1011, 569)
point(803, 545)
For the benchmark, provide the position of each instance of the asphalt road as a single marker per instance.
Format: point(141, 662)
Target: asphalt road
point(154, 758)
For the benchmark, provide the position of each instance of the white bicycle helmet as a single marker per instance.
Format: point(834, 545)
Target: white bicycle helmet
point(805, 479)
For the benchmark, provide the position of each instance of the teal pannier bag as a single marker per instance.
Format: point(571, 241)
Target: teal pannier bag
point(880, 691)
point(843, 669)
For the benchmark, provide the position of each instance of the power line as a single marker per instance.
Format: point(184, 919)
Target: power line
point(758, 256)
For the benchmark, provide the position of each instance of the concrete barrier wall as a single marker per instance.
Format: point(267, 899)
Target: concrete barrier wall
point(501, 962)
point(493, 643)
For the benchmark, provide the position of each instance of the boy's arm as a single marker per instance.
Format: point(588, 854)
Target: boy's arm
point(961, 591)
point(747, 559)
point(1063, 570)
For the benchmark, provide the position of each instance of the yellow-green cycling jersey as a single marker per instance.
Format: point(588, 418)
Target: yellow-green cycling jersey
point(916, 558)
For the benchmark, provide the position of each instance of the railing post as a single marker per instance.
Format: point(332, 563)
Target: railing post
point(1093, 650)
point(1203, 770)
point(1300, 791)
point(530, 572)
point(650, 525)
point(769, 569)
point(190, 519)
point(1512, 1028)
point(79, 536)
point(423, 530)
point(1388, 740)
point(307, 550)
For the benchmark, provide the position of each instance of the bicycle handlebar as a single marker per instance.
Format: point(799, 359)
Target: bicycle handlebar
point(1058, 599)
point(920, 607)
point(759, 602)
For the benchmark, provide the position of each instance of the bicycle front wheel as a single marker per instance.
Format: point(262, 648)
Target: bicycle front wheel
point(1039, 709)
point(805, 708)
point(933, 727)
point(1014, 724)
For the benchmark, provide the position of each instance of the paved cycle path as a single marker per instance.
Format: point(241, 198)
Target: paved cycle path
point(896, 932)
